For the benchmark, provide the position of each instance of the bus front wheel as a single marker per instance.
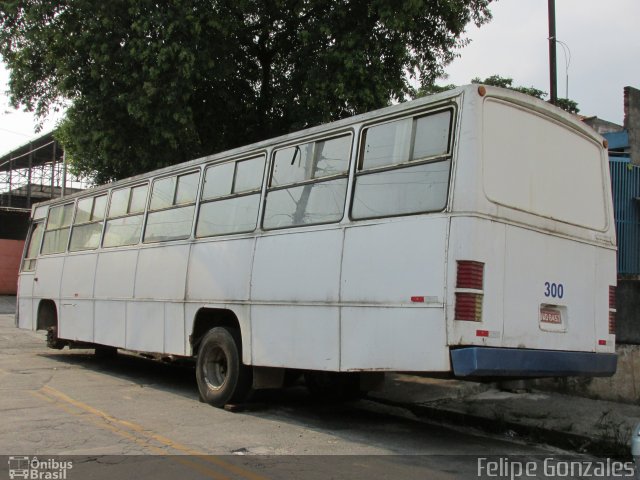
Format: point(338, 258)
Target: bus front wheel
point(222, 377)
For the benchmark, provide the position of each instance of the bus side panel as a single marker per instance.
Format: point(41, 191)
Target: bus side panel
point(396, 269)
point(297, 267)
point(76, 320)
point(26, 318)
point(294, 294)
point(220, 270)
point(606, 276)
point(115, 277)
point(409, 339)
point(157, 312)
point(162, 273)
point(76, 292)
point(295, 336)
point(145, 326)
point(480, 241)
point(48, 273)
point(391, 262)
point(47, 285)
point(110, 323)
point(174, 321)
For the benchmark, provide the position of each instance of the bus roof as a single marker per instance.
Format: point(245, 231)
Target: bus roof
point(495, 92)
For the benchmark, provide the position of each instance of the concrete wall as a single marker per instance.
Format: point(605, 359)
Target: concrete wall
point(624, 386)
point(10, 253)
point(632, 121)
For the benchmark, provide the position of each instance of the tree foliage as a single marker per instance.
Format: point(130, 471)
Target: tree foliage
point(504, 82)
point(152, 83)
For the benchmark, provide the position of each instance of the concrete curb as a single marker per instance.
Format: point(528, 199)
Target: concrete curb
point(566, 440)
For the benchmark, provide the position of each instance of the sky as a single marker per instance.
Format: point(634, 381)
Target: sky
point(602, 36)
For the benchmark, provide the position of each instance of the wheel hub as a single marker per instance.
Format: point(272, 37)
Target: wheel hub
point(215, 368)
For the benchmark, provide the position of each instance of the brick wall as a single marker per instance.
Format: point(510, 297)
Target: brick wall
point(10, 253)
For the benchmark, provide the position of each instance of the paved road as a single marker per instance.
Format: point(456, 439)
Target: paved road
point(73, 403)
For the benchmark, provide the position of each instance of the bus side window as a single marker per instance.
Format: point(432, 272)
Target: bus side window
point(31, 253)
point(87, 224)
point(56, 233)
point(231, 197)
point(308, 183)
point(172, 207)
point(124, 219)
point(404, 167)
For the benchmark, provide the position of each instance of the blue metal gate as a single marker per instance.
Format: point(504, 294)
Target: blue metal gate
point(625, 183)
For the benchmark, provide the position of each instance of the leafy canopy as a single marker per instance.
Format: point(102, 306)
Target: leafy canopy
point(152, 83)
point(504, 82)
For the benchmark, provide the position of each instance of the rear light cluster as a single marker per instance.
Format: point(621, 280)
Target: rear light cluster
point(612, 310)
point(470, 277)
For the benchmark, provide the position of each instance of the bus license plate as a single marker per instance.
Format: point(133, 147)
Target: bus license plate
point(549, 315)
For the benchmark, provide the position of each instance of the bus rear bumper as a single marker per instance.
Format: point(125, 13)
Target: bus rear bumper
point(512, 362)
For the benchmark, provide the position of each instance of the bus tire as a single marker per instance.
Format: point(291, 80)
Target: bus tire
point(52, 339)
point(222, 377)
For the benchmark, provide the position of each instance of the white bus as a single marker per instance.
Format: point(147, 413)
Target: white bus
point(469, 233)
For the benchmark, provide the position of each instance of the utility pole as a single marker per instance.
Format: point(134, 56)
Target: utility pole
point(552, 53)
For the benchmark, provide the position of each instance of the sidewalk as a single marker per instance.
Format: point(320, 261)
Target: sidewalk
point(575, 423)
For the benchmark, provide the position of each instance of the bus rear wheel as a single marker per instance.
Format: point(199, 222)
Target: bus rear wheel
point(222, 377)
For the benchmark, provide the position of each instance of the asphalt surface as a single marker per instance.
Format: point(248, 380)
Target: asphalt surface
point(133, 417)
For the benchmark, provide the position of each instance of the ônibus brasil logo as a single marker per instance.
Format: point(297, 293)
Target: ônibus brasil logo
point(34, 469)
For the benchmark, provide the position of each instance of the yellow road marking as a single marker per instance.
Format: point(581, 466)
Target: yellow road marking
point(110, 422)
point(95, 421)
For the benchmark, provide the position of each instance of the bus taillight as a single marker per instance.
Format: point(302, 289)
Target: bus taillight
point(470, 274)
point(612, 310)
point(469, 291)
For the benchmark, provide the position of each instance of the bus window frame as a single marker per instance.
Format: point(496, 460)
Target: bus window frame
point(263, 154)
point(107, 218)
point(90, 221)
point(197, 170)
point(452, 107)
point(346, 175)
point(46, 221)
point(34, 224)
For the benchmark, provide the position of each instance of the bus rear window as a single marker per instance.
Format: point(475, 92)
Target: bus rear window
point(536, 165)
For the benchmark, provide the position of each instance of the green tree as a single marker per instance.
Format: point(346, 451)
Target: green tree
point(504, 82)
point(152, 83)
point(496, 80)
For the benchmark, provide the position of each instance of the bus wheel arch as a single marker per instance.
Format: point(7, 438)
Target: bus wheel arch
point(217, 343)
point(208, 318)
point(47, 319)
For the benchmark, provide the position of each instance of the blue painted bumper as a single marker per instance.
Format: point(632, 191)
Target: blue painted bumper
point(512, 362)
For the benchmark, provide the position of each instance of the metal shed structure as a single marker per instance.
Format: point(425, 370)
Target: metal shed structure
point(29, 174)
